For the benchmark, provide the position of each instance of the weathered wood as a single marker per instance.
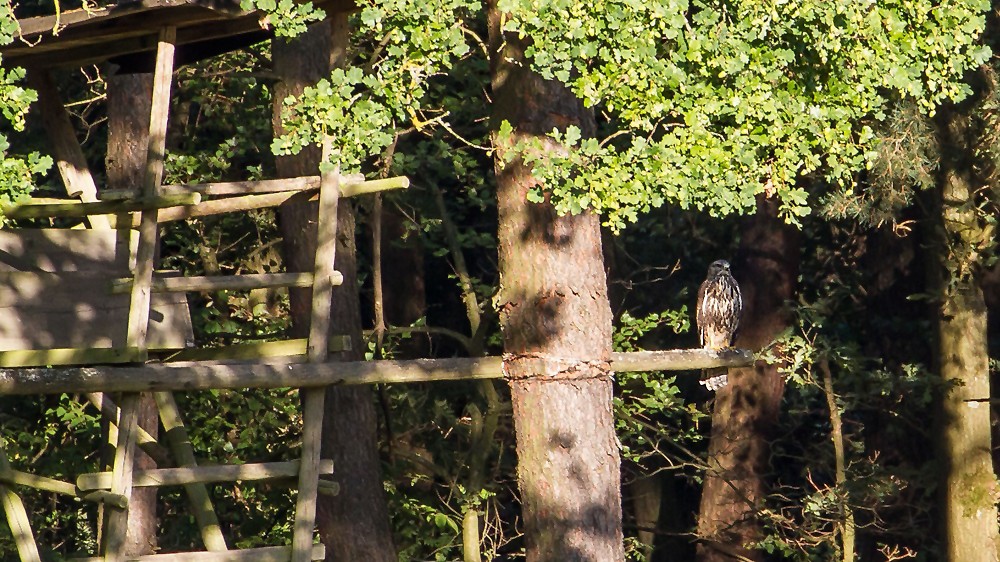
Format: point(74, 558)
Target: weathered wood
point(20, 525)
point(318, 351)
point(263, 554)
point(289, 373)
point(66, 151)
point(200, 474)
point(304, 183)
point(149, 445)
point(351, 185)
point(138, 317)
point(107, 498)
point(63, 250)
point(70, 356)
point(40, 310)
point(680, 359)
point(17, 516)
point(11, 477)
point(374, 186)
point(69, 209)
point(121, 483)
point(180, 444)
point(224, 283)
point(256, 350)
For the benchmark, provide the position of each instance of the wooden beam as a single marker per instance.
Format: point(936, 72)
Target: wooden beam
point(180, 443)
point(317, 353)
point(374, 186)
point(121, 481)
point(680, 360)
point(16, 477)
point(17, 516)
point(200, 474)
point(149, 445)
point(289, 373)
point(252, 187)
point(138, 317)
point(256, 350)
point(263, 554)
point(224, 282)
point(75, 209)
point(107, 498)
point(66, 151)
point(71, 356)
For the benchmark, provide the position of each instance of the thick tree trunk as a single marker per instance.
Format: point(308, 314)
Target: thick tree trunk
point(353, 525)
point(556, 322)
point(746, 410)
point(130, 97)
point(968, 486)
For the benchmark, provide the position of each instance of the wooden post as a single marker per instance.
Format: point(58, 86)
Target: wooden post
point(121, 483)
point(138, 318)
point(65, 148)
point(17, 517)
point(180, 444)
point(318, 348)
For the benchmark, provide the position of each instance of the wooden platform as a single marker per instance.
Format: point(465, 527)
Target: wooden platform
point(126, 33)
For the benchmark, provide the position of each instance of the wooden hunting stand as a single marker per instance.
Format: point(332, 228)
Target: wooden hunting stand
point(84, 312)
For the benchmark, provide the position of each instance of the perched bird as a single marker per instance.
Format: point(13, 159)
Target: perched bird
point(720, 305)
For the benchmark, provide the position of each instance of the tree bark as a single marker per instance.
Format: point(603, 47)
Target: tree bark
point(968, 486)
point(130, 97)
point(556, 322)
point(766, 266)
point(353, 525)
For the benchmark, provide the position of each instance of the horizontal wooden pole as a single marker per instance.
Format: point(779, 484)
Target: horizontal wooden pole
point(351, 185)
point(37, 482)
point(201, 474)
point(290, 373)
point(69, 209)
point(373, 186)
point(105, 497)
point(680, 359)
point(71, 356)
point(263, 554)
point(256, 350)
point(223, 282)
point(231, 205)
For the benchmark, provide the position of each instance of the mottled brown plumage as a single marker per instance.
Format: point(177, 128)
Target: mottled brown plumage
point(720, 305)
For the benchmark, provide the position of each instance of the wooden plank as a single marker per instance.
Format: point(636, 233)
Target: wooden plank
point(111, 413)
point(180, 444)
point(16, 477)
point(17, 516)
point(77, 209)
point(256, 350)
point(75, 310)
point(224, 282)
point(200, 474)
point(70, 356)
point(66, 151)
point(263, 554)
point(63, 250)
point(121, 484)
point(138, 317)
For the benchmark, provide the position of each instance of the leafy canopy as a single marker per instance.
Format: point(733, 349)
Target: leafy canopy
point(714, 102)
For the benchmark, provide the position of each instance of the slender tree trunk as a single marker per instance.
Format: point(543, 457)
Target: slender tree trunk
point(130, 97)
point(353, 525)
point(746, 410)
point(556, 322)
point(968, 486)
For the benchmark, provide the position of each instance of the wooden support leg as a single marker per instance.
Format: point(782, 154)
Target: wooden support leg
point(121, 483)
point(17, 518)
point(201, 502)
point(319, 337)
